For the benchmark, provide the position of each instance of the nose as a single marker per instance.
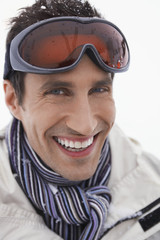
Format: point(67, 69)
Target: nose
point(82, 118)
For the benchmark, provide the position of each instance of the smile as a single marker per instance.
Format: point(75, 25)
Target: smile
point(74, 146)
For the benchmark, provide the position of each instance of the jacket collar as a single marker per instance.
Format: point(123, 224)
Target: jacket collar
point(134, 180)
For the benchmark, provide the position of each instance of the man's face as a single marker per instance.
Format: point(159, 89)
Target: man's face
point(67, 117)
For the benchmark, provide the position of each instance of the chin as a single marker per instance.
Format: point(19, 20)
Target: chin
point(80, 175)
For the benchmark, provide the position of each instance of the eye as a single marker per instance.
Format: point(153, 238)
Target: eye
point(55, 92)
point(99, 90)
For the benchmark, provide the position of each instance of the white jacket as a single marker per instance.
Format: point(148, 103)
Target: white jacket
point(134, 185)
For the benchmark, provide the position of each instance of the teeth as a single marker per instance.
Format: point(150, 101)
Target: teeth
point(66, 143)
point(76, 145)
point(71, 144)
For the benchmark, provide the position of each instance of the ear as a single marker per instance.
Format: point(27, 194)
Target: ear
point(11, 99)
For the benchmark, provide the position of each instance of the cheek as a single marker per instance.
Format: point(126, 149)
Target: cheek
point(43, 116)
point(107, 110)
point(112, 110)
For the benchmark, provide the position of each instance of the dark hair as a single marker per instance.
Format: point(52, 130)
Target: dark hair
point(40, 10)
point(44, 9)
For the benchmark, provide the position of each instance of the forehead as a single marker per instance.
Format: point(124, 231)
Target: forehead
point(85, 73)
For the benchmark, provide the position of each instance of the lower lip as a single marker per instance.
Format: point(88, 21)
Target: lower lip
point(79, 154)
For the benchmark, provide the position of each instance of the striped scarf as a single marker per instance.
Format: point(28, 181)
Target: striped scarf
point(73, 210)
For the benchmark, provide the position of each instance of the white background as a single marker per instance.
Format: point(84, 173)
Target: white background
point(136, 92)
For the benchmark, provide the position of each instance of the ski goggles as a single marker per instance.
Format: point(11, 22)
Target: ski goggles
point(57, 45)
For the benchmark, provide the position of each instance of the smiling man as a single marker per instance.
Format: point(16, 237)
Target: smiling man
point(66, 170)
point(67, 117)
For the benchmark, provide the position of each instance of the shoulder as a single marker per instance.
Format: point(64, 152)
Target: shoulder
point(17, 216)
point(128, 155)
point(135, 190)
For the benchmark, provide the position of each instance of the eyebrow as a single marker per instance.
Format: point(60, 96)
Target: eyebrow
point(106, 81)
point(58, 83)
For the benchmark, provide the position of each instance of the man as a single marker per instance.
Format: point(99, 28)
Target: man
point(67, 171)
